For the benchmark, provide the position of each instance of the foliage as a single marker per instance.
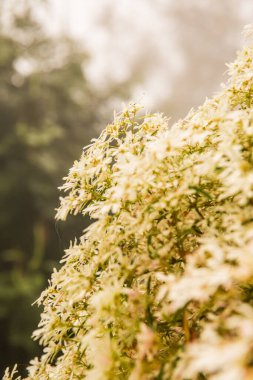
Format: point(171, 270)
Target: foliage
point(160, 284)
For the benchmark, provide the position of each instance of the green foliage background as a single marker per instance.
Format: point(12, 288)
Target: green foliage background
point(48, 112)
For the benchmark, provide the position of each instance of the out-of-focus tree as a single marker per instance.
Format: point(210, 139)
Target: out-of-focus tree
point(48, 112)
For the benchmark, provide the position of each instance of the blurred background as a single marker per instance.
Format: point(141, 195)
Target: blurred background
point(65, 65)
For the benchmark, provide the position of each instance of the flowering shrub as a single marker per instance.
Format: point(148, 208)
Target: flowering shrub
point(160, 285)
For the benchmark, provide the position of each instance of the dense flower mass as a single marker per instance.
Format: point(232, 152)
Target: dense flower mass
point(160, 285)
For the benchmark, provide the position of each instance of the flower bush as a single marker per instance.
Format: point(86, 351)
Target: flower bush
point(160, 285)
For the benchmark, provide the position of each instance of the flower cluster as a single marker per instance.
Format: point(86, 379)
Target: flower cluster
point(160, 285)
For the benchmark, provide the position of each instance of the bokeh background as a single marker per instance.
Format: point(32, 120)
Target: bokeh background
point(65, 65)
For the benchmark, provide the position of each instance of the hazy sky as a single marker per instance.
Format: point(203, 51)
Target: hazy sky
point(126, 38)
point(115, 55)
